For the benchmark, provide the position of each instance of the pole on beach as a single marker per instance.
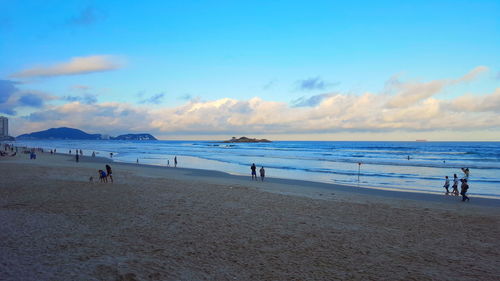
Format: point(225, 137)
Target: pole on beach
point(359, 170)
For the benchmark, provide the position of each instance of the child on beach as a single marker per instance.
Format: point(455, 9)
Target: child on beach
point(447, 185)
point(455, 185)
point(102, 176)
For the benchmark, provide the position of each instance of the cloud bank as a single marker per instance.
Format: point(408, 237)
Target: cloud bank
point(412, 107)
point(75, 66)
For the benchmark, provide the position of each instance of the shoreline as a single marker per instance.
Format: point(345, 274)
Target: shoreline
point(304, 188)
point(420, 182)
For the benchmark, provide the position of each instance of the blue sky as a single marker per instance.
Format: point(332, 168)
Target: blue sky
point(212, 69)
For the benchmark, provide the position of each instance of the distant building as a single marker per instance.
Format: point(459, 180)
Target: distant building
point(4, 126)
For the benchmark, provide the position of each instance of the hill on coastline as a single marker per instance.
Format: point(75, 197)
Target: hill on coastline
point(61, 133)
point(65, 133)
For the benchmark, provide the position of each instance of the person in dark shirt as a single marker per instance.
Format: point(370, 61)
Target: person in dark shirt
point(464, 187)
point(110, 173)
point(254, 171)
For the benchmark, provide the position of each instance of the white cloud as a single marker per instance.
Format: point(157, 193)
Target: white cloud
point(472, 74)
point(408, 93)
point(413, 92)
point(77, 65)
point(472, 103)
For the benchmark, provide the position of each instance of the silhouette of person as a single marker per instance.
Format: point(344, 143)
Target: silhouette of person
point(455, 185)
point(262, 173)
point(109, 172)
point(254, 171)
point(463, 190)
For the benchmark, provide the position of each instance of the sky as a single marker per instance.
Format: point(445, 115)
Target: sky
point(282, 70)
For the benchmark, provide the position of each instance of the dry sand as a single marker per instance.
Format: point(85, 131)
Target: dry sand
point(182, 224)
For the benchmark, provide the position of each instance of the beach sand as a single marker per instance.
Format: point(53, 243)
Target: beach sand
point(158, 223)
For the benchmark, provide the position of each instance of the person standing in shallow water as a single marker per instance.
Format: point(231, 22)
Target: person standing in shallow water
point(254, 171)
point(455, 185)
point(466, 173)
point(175, 161)
point(447, 185)
point(262, 173)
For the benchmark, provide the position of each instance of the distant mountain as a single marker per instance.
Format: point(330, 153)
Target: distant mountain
point(65, 133)
point(134, 137)
point(245, 139)
point(62, 133)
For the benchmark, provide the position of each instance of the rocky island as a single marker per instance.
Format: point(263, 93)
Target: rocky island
point(134, 137)
point(245, 140)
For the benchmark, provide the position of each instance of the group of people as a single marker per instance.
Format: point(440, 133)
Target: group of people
point(262, 172)
point(168, 162)
point(7, 148)
point(464, 187)
point(103, 176)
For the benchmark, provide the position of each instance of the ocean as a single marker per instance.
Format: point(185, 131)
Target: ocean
point(382, 164)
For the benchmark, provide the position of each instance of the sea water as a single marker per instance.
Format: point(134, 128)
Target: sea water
point(409, 166)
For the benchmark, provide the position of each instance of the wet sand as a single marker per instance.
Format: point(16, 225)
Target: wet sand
point(158, 223)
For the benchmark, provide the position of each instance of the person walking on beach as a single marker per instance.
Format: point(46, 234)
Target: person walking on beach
point(175, 161)
point(447, 185)
point(77, 157)
point(463, 190)
point(254, 171)
point(455, 185)
point(262, 173)
point(109, 172)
